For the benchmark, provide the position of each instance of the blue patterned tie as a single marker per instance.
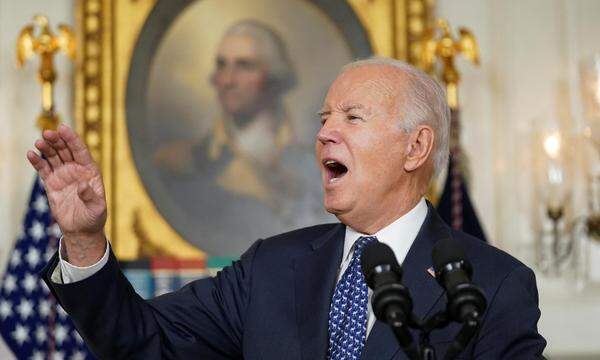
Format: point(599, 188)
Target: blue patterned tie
point(349, 309)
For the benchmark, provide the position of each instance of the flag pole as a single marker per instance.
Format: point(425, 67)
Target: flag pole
point(440, 50)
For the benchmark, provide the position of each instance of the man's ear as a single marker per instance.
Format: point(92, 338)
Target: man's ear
point(420, 144)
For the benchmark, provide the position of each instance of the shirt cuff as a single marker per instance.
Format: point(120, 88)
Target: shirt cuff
point(71, 273)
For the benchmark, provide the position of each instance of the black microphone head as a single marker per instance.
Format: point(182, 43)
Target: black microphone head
point(453, 272)
point(376, 255)
point(445, 251)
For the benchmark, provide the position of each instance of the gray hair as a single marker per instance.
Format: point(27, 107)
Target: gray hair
point(425, 104)
point(271, 49)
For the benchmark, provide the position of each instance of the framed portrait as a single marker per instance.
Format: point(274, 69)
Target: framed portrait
point(202, 113)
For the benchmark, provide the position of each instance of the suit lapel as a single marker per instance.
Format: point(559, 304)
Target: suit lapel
point(424, 289)
point(315, 276)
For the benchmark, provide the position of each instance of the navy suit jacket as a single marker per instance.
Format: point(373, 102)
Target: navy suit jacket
point(273, 304)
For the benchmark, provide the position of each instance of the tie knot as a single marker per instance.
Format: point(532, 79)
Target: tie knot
point(361, 243)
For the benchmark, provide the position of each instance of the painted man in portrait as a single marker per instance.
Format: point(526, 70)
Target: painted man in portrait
point(250, 161)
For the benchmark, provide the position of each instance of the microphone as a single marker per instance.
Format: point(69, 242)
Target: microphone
point(391, 301)
point(453, 271)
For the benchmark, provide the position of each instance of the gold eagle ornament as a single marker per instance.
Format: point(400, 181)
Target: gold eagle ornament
point(446, 48)
point(45, 44)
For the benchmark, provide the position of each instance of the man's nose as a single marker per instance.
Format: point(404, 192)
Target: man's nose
point(226, 77)
point(328, 133)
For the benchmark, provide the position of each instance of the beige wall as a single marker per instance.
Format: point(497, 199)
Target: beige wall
point(19, 106)
point(528, 82)
point(528, 75)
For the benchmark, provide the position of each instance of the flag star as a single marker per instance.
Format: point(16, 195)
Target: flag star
point(15, 259)
point(37, 355)
point(54, 231)
point(33, 257)
point(40, 334)
point(37, 231)
point(58, 355)
point(60, 334)
point(10, 283)
point(40, 204)
point(29, 283)
point(5, 309)
point(78, 355)
point(44, 308)
point(25, 309)
point(20, 334)
point(77, 337)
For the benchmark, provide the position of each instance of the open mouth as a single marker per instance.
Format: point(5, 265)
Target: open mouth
point(335, 170)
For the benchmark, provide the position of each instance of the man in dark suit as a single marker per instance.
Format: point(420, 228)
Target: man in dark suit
point(298, 295)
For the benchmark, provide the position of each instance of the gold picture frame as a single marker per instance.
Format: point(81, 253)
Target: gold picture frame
point(107, 31)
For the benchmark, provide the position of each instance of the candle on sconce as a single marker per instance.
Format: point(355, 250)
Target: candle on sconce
point(552, 145)
point(554, 174)
point(589, 71)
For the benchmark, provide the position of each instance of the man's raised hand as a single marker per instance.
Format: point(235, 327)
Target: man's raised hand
point(75, 192)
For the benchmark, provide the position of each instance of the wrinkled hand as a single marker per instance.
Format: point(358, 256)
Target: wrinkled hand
point(75, 193)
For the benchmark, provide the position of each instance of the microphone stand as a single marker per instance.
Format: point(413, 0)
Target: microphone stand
point(466, 333)
point(437, 321)
point(405, 339)
point(423, 350)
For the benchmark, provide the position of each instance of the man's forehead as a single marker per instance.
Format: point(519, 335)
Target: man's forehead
point(345, 105)
point(359, 87)
point(371, 73)
point(238, 46)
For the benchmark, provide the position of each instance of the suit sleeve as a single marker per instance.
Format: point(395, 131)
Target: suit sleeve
point(203, 320)
point(509, 329)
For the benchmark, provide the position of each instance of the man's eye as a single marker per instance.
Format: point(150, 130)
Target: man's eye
point(221, 61)
point(354, 118)
point(247, 65)
point(322, 120)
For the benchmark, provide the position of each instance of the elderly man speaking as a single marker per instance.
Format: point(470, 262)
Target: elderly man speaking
point(298, 295)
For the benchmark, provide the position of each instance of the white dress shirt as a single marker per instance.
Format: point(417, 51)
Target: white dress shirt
point(67, 273)
point(399, 235)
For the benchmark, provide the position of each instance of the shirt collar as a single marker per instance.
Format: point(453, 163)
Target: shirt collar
point(399, 235)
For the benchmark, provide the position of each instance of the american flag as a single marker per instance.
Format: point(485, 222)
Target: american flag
point(455, 205)
point(32, 323)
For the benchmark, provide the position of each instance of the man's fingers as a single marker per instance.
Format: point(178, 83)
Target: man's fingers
point(78, 149)
point(58, 144)
point(39, 164)
point(49, 152)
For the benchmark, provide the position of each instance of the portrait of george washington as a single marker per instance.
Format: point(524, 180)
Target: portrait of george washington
point(229, 119)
